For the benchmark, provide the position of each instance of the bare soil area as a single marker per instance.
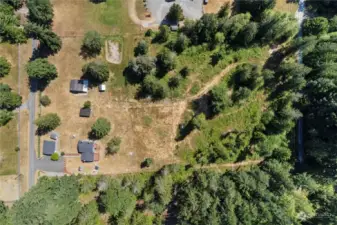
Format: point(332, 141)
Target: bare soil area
point(112, 52)
point(214, 6)
point(9, 188)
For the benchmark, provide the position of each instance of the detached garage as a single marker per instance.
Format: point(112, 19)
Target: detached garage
point(79, 86)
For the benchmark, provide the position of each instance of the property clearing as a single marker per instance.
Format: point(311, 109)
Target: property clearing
point(112, 52)
point(9, 188)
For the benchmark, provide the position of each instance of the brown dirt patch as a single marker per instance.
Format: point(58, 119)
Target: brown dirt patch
point(112, 52)
point(9, 188)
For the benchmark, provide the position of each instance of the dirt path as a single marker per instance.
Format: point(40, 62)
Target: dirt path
point(213, 82)
point(134, 17)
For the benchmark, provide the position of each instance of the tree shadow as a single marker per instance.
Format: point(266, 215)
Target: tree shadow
point(185, 130)
point(97, 1)
point(131, 77)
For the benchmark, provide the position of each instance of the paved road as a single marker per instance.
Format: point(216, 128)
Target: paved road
point(300, 15)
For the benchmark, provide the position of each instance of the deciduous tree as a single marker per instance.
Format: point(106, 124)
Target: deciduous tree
point(97, 71)
point(92, 43)
point(41, 69)
point(100, 128)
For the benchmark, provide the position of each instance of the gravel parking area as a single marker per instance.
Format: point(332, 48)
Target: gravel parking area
point(193, 9)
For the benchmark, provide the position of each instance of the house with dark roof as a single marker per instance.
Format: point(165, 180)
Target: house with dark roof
point(87, 150)
point(79, 86)
point(49, 147)
point(85, 112)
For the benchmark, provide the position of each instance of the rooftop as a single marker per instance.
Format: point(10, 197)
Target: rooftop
point(78, 86)
point(49, 147)
point(85, 112)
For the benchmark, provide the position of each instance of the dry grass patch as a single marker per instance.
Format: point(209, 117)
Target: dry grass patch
point(214, 6)
point(286, 6)
point(8, 142)
point(9, 188)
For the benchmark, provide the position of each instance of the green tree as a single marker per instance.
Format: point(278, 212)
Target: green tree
point(3, 213)
point(48, 122)
point(9, 100)
point(88, 215)
point(49, 41)
point(92, 43)
point(141, 49)
point(254, 7)
point(40, 12)
point(118, 202)
point(113, 145)
point(97, 71)
point(16, 4)
point(5, 117)
point(45, 100)
point(166, 60)
point(248, 34)
point(181, 43)
point(100, 128)
point(55, 156)
point(174, 82)
point(5, 67)
point(5, 88)
point(163, 34)
point(139, 218)
point(315, 26)
point(46, 201)
point(175, 14)
point(219, 98)
point(153, 87)
point(224, 11)
point(139, 67)
point(333, 24)
point(41, 69)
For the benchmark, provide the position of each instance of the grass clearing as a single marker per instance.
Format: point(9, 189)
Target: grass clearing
point(8, 142)
point(10, 52)
point(286, 6)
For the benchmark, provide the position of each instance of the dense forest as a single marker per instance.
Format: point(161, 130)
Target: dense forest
point(279, 190)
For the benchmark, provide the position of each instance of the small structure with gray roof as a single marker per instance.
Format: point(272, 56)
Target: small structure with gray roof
point(54, 135)
point(87, 150)
point(79, 86)
point(49, 147)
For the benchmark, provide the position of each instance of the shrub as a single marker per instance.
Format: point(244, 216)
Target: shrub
point(62, 153)
point(174, 82)
point(149, 33)
point(152, 86)
point(166, 60)
point(113, 145)
point(17, 148)
point(147, 162)
point(184, 72)
point(55, 156)
point(92, 43)
point(87, 104)
point(100, 128)
point(45, 100)
point(141, 49)
point(5, 67)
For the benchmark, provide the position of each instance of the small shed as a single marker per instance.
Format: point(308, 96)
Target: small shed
point(79, 86)
point(49, 147)
point(85, 112)
point(174, 27)
point(54, 135)
point(102, 87)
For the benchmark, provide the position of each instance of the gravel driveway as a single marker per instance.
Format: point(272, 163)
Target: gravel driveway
point(193, 9)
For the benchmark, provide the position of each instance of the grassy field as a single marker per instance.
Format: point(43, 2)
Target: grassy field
point(8, 142)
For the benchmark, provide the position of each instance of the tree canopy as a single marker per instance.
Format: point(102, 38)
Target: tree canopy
point(40, 12)
point(100, 128)
point(41, 69)
point(96, 71)
point(48, 122)
point(92, 43)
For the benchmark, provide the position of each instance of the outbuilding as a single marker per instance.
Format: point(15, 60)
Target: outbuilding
point(49, 147)
point(102, 87)
point(79, 86)
point(85, 112)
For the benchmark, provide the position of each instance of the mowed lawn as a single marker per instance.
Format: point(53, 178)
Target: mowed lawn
point(8, 133)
